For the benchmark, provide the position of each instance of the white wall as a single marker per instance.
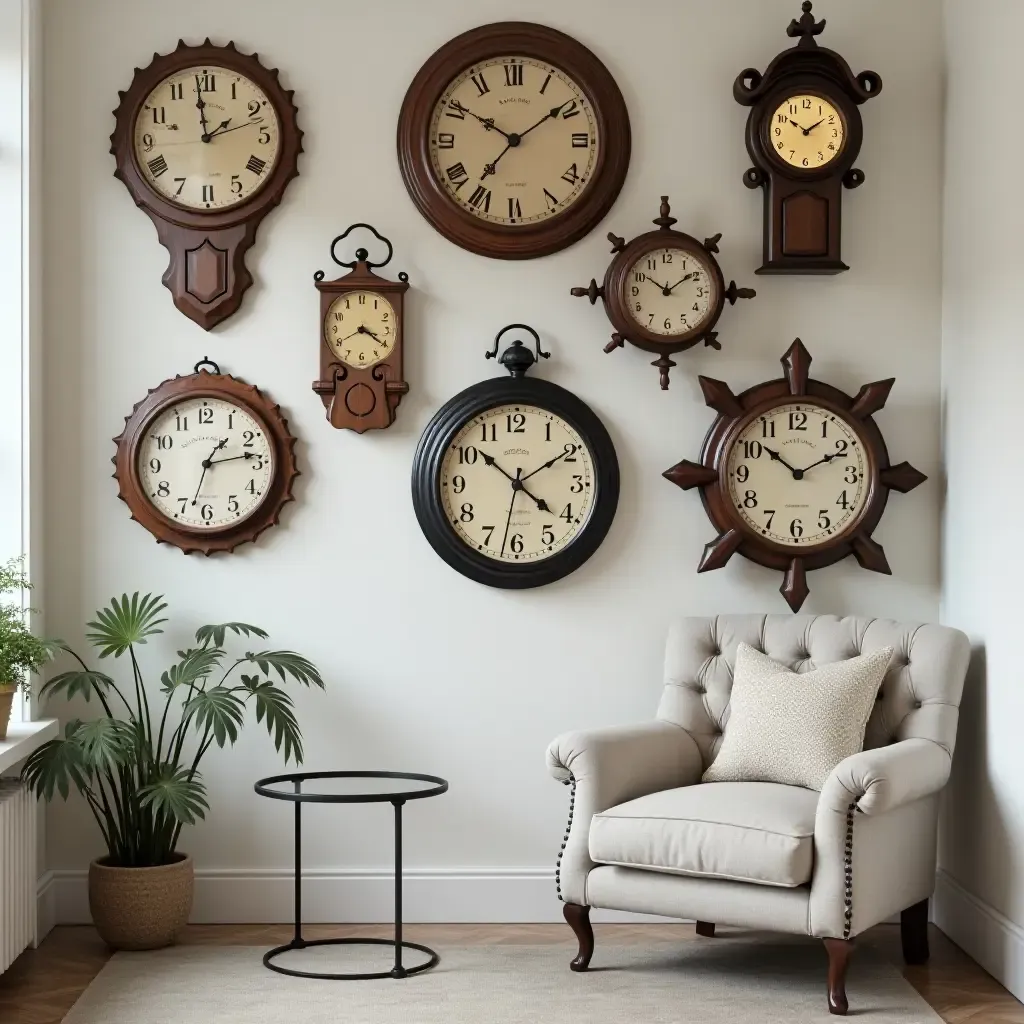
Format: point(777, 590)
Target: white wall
point(981, 896)
point(349, 562)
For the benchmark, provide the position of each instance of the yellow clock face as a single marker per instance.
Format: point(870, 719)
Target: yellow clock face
point(669, 292)
point(207, 138)
point(807, 132)
point(360, 327)
point(517, 483)
point(514, 141)
point(798, 475)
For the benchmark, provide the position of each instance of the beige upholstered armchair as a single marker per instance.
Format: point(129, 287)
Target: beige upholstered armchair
point(645, 835)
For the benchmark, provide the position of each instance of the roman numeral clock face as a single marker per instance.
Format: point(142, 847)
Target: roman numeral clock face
point(206, 138)
point(360, 328)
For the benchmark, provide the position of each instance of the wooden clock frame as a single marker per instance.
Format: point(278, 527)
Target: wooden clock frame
point(521, 39)
point(207, 275)
point(803, 208)
point(204, 384)
point(710, 474)
point(361, 398)
point(612, 289)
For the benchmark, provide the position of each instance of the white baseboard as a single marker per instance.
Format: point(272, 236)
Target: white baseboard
point(356, 895)
point(981, 932)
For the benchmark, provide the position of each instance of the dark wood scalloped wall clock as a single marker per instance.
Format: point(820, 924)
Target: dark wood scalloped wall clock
point(206, 141)
point(794, 474)
point(804, 132)
point(649, 312)
point(205, 462)
point(513, 140)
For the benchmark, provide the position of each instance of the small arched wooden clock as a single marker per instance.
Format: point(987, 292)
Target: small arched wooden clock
point(515, 481)
point(206, 141)
point(794, 474)
point(664, 291)
point(205, 462)
point(361, 341)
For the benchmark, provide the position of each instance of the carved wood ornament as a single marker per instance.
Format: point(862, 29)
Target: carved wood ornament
point(804, 132)
point(794, 474)
point(206, 190)
point(361, 341)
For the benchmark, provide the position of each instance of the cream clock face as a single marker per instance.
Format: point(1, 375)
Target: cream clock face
point(669, 292)
point(207, 138)
point(360, 328)
point(514, 141)
point(798, 475)
point(517, 483)
point(807, 131)
point(206, 463)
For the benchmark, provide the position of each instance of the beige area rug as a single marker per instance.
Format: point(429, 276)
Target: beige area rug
point(718, 981)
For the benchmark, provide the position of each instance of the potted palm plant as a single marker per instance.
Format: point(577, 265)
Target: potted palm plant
point(21, 653)
point(137, 765)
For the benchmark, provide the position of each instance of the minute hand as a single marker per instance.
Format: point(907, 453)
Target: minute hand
point(553, 112)
point(547, 465)
point(827, 458)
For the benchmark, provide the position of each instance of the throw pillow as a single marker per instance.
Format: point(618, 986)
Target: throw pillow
point(795, 727)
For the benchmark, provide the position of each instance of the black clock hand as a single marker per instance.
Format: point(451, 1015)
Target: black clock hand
point(547, 465)
point(201, 104)
point(487, 122)
point(232, 458)
point(207, 462)
point(553, 112)
point(664, 287)
point(363, 329)
point(517, 484)
point(795, 125)
point(807, 131)
point(680, 281)
point(492, 167)
point(511, 506)
point(827, 458)
point(224, 131)
point(776, 457)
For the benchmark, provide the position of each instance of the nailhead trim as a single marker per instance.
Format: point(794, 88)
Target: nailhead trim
point(848, 871)
point(568, 828)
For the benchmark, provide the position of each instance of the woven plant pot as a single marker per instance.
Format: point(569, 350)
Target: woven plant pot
point(140, 908)
point(6, 703)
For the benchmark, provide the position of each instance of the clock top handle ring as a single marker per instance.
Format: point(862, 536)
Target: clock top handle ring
point(361, 254)
point(517, 359)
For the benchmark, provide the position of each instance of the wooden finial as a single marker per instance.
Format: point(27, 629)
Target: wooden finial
point(806, 28)
point(664, 364)
point(664, 220)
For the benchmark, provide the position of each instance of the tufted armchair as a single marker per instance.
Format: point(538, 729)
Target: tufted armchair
point(645, 835)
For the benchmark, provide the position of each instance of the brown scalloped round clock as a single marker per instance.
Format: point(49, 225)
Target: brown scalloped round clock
point(206, 141)
point(794, 474)
point(205, 462)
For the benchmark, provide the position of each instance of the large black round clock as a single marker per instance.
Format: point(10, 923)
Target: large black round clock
point(515, 480)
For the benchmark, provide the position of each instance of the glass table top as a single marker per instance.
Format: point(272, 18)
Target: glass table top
point(355, 787)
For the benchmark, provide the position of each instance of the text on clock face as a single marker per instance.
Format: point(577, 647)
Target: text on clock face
point(669, 291)
point(360, 328)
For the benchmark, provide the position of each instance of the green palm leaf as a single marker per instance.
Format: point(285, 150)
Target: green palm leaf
point(106, 743)
point(77, 683)
point(174, 793)
point(204, 634)
point(58, 765)
point(218, 709)
point(196, 663)
point(124, 623)
point(287, 663)
point(276, 706)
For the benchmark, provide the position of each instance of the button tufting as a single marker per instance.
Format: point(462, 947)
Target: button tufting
point(917, 704)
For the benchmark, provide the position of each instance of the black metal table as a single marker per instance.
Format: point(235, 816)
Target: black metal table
point(351, 788)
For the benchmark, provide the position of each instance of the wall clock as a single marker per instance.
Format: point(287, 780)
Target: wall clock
point(515, 480)
point(804, 132)
point(664, 291)
point(794, 474)
point(205, 141)
point(205, 462)
point(513, 140)
point(361, 340)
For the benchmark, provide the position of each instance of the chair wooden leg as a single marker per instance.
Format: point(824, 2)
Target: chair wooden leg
point(914, 933)
point(839, 951)
point(578, 919)
point(706, 928)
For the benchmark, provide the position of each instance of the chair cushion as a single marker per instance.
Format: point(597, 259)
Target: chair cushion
point(746, 831)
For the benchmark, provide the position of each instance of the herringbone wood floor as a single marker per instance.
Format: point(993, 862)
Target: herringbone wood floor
point(43, 984)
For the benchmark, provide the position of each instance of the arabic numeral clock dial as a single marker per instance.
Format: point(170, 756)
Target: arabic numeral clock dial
point(360, 328)
point(513, 140)
point(205, 462)
point(807, 131)
point(515, 480)
point(794, 474)
point(671, 292)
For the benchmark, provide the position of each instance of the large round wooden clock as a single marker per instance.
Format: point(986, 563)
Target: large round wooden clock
point(206, 141)
point(794, 474)
point(515, 481)
point(513, 140)
point(205, 462)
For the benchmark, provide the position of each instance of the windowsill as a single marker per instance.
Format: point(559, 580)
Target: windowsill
point(23, 738)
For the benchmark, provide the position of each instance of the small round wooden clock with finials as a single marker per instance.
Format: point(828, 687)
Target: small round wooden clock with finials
point(664, 291)
point(361, 343)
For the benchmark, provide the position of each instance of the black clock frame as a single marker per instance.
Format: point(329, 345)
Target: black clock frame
point(479, 398)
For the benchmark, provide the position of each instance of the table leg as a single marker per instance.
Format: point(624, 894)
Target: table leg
point(297, 941)
point(398, 971)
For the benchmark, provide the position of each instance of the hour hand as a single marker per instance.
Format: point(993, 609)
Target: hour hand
point(776, 457)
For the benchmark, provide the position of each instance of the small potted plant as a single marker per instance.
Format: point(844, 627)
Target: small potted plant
point(21, 653)
point(137, 765)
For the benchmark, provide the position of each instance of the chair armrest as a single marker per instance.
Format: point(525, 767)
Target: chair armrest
point(607, 767)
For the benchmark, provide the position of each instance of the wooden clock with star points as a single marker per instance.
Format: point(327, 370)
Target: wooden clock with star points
point(206, 141)
point(794, 474)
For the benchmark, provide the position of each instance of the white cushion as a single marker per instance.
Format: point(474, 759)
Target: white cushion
point(794, 728)
point(746, 831)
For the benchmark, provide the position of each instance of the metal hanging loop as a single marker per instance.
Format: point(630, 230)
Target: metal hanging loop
point(362, 254)
point(205, 361)
point(517, 358)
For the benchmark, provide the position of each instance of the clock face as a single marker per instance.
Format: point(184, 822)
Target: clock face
point(205, 463)
point(360, 328)
point(798, 475)
point(517, 483)
point(207, 138)
point(669, 292)
point(514, 141)
point(806, 131)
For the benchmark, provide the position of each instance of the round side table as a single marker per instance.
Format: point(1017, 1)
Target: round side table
point(351, 788)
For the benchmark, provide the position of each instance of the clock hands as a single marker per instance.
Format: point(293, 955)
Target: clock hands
point(517, 482)
point(552, 113)
point(223, 131)
point(547, 465)
point(201, 104)
point(680, 281)
point(776, 457)
point(232, 458)
point(806, 131)
point(511, 506)
point(207, 462)
point(827, 458)
point(513, 139)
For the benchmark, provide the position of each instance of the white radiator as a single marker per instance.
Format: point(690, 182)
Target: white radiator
point(17, 870)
